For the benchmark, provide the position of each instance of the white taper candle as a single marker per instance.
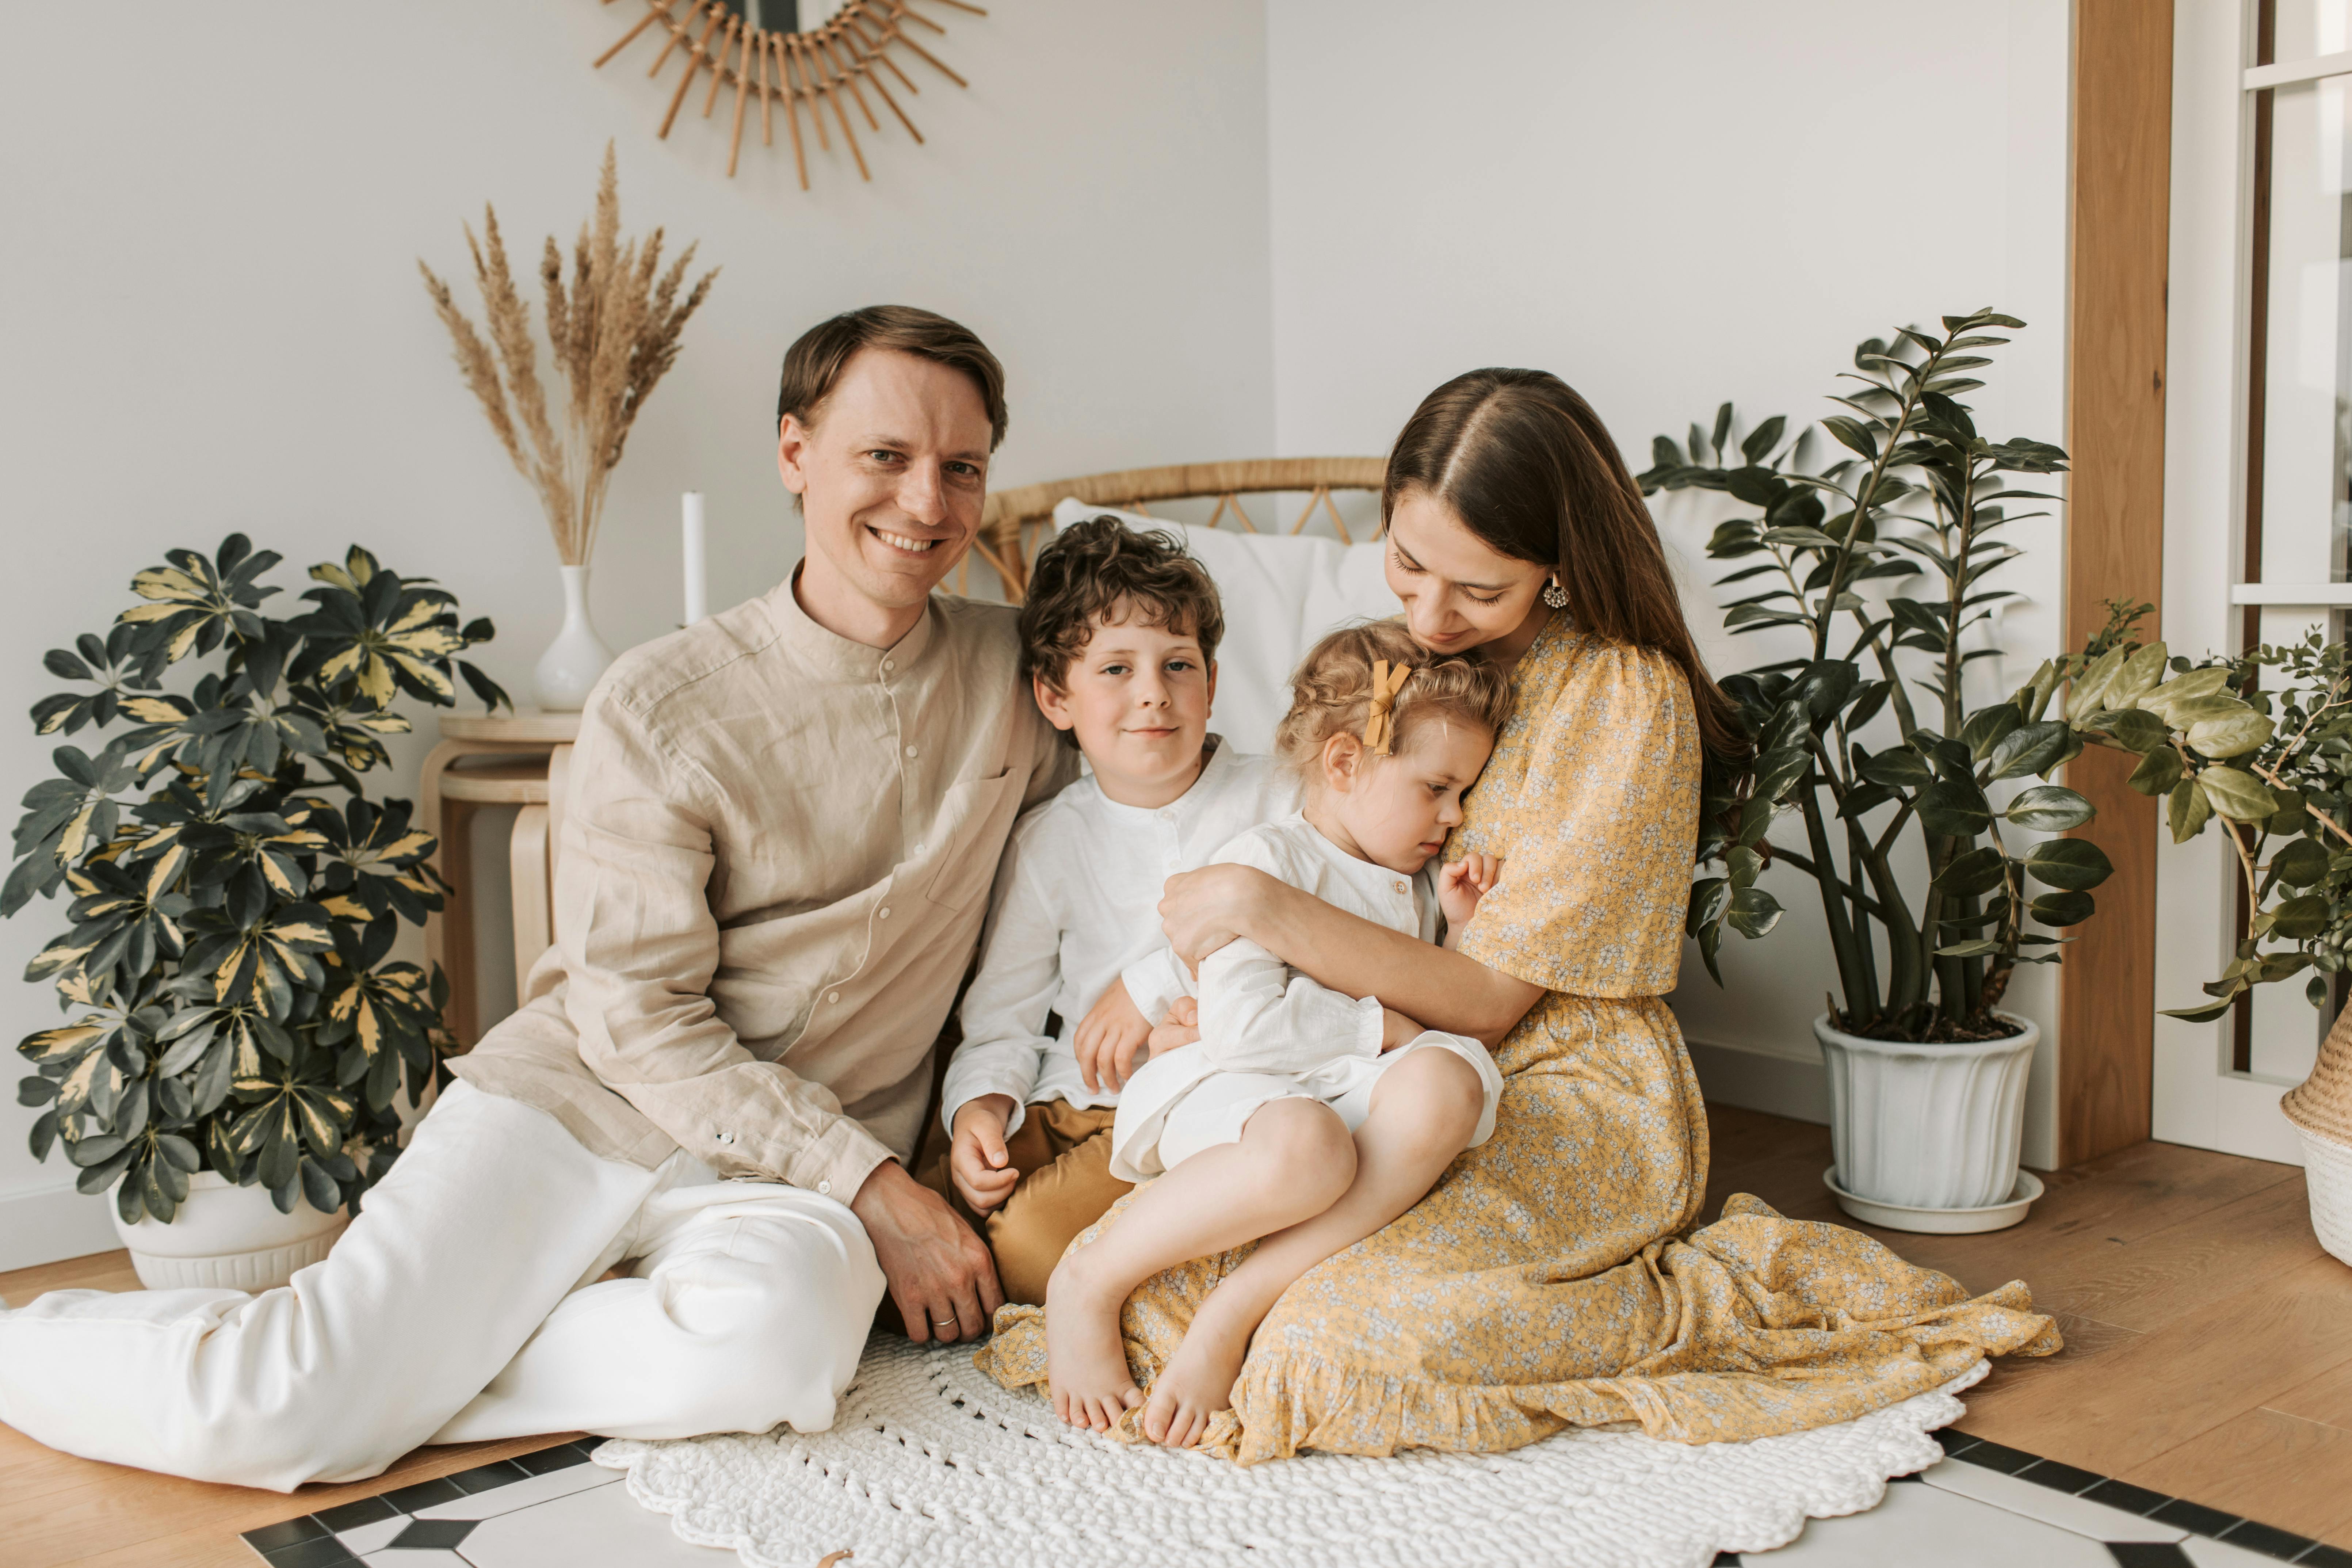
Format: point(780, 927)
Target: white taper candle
point(697, 577)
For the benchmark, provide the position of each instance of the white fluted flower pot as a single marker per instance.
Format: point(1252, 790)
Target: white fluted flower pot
point(1926, 1136)
point(567, 670)
point(227, 1237)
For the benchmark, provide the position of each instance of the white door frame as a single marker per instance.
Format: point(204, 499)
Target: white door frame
point(2199, 1098)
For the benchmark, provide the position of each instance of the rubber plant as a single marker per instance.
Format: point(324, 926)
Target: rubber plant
point(227, 962)
point(1877, 562)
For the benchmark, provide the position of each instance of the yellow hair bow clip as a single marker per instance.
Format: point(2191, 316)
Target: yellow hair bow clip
point(1379, 724)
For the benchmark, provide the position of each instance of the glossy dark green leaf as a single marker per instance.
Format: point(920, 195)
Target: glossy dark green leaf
point(1974, 872)
point(1954, 808)
point(2075, 863)
point(2061, 909)
point(1753, 913)
point(2030, 748)
point(1899, 767)
point(2049, 808)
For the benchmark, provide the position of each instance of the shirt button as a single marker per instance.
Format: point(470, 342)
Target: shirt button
point(823, 1187)
point(726, 1137)
point(883, 913)
point(914, 750)
point(1402, 888)
point(889, 665)
point(832, 996)
point(1169, 815)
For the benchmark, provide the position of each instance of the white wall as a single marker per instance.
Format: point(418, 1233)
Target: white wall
point(212, 318)
point(1192, 232)
point(1671, 203)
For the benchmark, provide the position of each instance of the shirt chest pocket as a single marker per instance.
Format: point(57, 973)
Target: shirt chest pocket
point(973, 820)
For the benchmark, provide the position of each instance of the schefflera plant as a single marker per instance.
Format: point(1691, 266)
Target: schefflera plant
point(1919, 493)
point(227, 959)
point(2270, 767)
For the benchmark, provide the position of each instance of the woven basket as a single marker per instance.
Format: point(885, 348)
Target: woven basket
point(2327, 1172)
point(2321, 1109)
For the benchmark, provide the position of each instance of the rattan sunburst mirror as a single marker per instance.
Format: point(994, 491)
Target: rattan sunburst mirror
point(762, 50)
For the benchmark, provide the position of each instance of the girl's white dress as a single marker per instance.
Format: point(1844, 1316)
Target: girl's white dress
point(1268, 1032)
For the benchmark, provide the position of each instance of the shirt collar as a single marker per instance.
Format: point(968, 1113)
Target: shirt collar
point(836, 653)
point(1194, 799)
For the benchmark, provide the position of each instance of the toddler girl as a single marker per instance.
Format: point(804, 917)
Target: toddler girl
point(1300, 1118)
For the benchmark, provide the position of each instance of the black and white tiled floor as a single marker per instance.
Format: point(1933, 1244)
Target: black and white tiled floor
point(548, 1510)
point(1984, 1504)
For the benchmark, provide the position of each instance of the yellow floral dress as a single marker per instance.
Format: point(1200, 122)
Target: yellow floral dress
point(1552, 1277)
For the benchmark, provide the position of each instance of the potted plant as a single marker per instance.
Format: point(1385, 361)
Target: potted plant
point(1922, 815)
point(2270, 767)
point(240, 1030)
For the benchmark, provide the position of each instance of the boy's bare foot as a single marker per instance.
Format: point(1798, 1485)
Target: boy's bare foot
point(1198, 1381)
point(1085, 1363)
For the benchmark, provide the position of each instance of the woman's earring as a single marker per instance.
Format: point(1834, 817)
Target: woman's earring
point(1554, 596)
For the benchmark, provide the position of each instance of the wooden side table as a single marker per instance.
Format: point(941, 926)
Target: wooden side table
point(487, 759)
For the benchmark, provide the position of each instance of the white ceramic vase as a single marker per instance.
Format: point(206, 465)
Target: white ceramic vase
point(569, 669)
point(227, 1237)
point(1930, 1128)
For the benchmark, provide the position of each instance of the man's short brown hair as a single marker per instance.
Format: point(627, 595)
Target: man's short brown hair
point(814, 364)
point(1088, 570)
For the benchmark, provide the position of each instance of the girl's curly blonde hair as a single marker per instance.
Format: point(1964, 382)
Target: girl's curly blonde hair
point(1331, 692)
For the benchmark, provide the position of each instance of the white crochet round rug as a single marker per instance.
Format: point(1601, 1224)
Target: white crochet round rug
point(932, 1465)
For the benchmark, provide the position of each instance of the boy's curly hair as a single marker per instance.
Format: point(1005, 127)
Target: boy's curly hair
point(1331, 692)
point(1085, 573)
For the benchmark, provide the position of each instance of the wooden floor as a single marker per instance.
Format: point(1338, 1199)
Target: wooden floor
point(2209, 1355)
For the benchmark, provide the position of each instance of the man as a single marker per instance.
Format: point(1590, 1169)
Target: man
point(772, 872)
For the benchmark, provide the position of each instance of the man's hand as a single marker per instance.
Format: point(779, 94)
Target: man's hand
point(941, 1278)
point(1181, 1028)
point(1112, 1032)
point(977, 1163)
point(1396, 1029)
point(1462, 884)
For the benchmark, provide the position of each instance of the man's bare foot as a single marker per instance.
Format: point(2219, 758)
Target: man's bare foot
point(1198, 1381)
point(1085, 1363)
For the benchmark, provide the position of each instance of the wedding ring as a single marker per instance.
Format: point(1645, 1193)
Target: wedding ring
point(943, 1322)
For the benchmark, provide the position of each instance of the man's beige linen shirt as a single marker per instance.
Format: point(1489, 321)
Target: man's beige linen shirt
point(774, 861)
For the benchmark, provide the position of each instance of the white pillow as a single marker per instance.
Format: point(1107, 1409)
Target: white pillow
point(1281, 593)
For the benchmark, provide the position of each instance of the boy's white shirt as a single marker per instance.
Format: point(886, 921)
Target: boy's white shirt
point(1257, 1013)
point(1076, 906)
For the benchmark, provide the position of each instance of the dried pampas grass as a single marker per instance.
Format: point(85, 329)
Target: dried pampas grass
point(614, 332)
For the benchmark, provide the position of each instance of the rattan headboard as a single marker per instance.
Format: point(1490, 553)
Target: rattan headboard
point(1011, 520)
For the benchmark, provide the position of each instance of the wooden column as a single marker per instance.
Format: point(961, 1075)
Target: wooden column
point(2115, 536)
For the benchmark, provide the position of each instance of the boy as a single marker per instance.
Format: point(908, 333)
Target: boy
point(1118, 636)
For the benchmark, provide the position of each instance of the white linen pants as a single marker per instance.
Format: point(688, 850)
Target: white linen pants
point(459, 1306)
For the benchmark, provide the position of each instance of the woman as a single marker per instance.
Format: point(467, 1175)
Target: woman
point(1547, 1280)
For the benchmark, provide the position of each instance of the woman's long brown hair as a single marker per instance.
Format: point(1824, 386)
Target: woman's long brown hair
point(1529, 466)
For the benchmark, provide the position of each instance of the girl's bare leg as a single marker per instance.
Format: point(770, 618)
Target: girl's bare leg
point(1424, 1111)
point(1294, 1158)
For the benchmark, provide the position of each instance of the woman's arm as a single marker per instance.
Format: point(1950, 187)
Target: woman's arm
point(1203, 909)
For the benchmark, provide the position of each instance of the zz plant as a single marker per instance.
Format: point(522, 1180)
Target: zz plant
point(1867, 735)
point(229, 924)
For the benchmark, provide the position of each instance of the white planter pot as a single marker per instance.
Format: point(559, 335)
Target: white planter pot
point(1933, 1127)
point(568, 669)
point(227, 1237)
point(2327, 1173)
